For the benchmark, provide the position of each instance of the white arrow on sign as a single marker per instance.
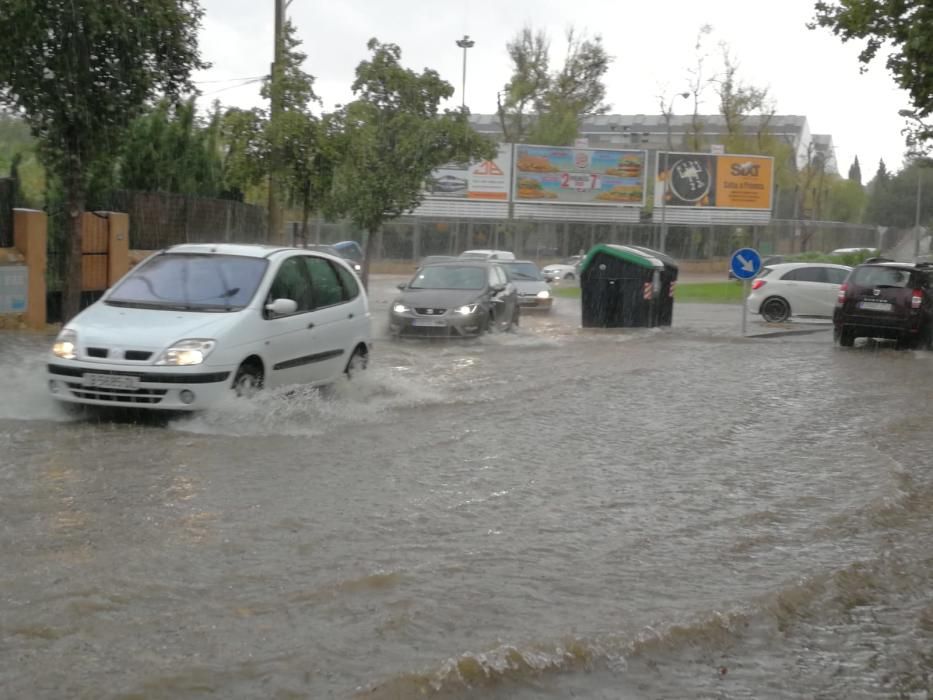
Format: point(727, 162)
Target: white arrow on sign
point(747, 265)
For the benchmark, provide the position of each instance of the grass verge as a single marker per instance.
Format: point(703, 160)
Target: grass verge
point(700, 292)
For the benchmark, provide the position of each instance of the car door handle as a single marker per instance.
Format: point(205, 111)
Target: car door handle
point(310, 326)
point(350, 316)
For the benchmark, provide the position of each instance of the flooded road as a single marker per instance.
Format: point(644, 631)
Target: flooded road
point(554, 513)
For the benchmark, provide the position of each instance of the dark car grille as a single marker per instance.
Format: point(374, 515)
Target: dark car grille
point(129, 396)
point(132, 355)
point(425, 311)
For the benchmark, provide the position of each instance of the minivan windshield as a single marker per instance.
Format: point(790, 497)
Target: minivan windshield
point(191, 282)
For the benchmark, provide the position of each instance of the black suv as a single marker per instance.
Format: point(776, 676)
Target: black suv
point(886, 300)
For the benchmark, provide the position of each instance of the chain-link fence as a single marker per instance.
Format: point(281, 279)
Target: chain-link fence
point(411, 238)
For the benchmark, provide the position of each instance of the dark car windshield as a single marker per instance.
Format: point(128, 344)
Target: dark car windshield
point(191, 282)
point(879, 276)
point(523, 271)
point(449, 277)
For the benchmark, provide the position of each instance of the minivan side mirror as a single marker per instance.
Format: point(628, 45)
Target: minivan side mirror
point(401, 286)
point(282, 307)
point(496, 288)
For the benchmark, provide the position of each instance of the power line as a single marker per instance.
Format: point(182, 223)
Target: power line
point(238, 85)
point(229, 80)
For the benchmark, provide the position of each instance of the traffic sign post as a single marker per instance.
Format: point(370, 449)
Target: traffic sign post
point(745, 264)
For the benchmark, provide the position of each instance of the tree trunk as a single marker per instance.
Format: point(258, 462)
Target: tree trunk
point(74, 208)
point(368, 256)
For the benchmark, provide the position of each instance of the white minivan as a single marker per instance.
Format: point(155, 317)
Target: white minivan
point(195, 323)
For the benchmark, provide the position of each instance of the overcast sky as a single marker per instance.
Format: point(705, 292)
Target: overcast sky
point(809, 73)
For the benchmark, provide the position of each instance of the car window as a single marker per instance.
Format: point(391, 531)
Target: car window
point(351, 288)
point(835, 275)
point(449, 277)
point(878, 276)
point(292, 282)
point(326, 289)
point(806, 274)
point(522, 271)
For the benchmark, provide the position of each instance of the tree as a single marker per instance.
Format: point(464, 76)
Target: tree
point(390, 139)
point(906, 26)
point(855, 172)
point(738, 101)
point(79, 71)
point(170, 149)
point(546, 107)
point(698, 83)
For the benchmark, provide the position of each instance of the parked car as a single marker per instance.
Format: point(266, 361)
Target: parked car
point(459, 298)
point(346, 253)
point(886, 300)
point(567, 269)
point(488, 255)
point(430, 259)
point(351, 250)
point(765, 261)
point(533, 291)
point(796, 289)
point(196, 323)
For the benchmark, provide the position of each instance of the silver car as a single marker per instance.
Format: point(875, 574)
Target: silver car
point(533, 291)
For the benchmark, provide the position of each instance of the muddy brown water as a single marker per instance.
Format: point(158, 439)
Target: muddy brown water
point(553, 513)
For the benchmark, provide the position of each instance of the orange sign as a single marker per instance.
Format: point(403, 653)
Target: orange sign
point(744, 182)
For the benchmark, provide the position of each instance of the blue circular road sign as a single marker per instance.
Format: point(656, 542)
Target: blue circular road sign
point(745, 263)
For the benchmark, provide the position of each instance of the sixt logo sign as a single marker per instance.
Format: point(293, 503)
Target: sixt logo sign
point(745, 169)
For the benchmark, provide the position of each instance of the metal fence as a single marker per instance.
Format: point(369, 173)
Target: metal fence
point(411, 238)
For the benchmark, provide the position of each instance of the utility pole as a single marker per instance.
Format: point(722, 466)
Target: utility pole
point(275, 110)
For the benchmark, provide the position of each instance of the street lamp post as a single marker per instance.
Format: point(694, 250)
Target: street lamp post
point(465, 43)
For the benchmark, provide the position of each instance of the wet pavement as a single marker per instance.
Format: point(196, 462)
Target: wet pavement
point(551, 513)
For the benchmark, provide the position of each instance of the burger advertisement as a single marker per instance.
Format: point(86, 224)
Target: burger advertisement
point(556, 175)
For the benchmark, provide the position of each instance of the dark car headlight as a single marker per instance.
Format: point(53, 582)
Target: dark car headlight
point(466, 309)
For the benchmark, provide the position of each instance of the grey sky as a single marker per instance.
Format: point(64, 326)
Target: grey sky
point(808, 72)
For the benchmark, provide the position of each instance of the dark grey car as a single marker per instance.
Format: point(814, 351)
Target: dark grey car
point(455, 299)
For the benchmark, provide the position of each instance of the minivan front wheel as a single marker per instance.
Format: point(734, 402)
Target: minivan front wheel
point(248, 380)
point(358, 362)
point(775, 310)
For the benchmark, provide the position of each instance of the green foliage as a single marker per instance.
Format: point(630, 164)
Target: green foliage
point(19, 159)
point(391, 137)
point(904, 26)
point(79, 71)
point(544, 107)
point(171, 149)
point(851, 259)
point(893, 199)
point(855, 171)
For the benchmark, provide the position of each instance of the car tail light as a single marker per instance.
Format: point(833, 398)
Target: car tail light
point(917, 299)
point(843, 288)
point(758, 284)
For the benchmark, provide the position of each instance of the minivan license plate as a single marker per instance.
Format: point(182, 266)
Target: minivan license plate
point(111, 381)
point(429, 322)
point(874, 306)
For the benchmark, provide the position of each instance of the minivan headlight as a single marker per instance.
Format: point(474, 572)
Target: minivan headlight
point(467, 309)
point(400, 308)
point(66, 345)
point(192, 351)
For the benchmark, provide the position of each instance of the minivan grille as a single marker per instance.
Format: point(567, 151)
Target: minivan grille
point(430, 312)
point(128, 396)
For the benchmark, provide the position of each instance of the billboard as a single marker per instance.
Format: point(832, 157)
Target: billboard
point(484, 180)
point(591, 176)
point(706, 180)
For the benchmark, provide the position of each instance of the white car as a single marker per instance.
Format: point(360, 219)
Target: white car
point(196, 323)
point(488, 255)
point(796, 289)
point(568, 269)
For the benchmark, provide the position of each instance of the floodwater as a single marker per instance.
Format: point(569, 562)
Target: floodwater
point(553, 513)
